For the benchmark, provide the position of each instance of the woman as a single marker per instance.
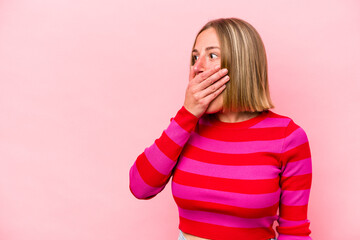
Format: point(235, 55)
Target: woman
point(234, 162)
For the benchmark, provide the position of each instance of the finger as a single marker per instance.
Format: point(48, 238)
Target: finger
point(213, 78)
point(204, 75)
point(192, 73)
point(214, 87)
point(213, 95)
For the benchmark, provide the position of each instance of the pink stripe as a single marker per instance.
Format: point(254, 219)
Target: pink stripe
point(298, 168)
point(296, 138)
point(287, 223)
point(293, 237)
point(226, 171)
point(272, 122)
point(159, 160)
point(228, 198)
point(212, 145)
point(203, 121)
point(226, 220)
point(138, 187)
point(176, 133)
point(295, 198)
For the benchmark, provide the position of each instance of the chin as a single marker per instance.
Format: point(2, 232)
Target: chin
point(216, 105)
point(213, 109)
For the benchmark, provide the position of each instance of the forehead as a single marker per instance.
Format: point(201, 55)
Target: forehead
point(207, 38)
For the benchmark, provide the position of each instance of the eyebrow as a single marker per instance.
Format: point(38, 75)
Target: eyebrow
point(207, 49)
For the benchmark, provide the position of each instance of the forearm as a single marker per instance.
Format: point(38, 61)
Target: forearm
point(153, 168)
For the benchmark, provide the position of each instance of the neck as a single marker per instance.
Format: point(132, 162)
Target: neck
point(233, 117)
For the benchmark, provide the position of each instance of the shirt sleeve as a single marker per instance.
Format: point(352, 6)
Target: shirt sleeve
point(153, 168)
point(295, 183)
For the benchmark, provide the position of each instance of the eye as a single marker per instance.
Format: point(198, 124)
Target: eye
point(195, 57)
point(213, 54)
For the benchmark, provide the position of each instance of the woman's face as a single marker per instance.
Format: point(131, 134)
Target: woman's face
point(206, 54)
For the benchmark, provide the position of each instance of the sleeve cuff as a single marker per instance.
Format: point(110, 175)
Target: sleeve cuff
point(186, 119)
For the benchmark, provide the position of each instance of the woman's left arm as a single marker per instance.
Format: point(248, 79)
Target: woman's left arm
point(295, 183)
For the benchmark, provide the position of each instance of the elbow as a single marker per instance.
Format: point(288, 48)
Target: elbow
point(139, 188)
point(140, 194)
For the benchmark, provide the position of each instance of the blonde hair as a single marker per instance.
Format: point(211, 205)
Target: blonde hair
point(243, 54)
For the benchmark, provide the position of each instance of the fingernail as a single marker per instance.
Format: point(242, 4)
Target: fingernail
point(217, 67)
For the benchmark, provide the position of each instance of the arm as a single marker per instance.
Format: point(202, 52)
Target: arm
point(295, 183)
point(152, 169)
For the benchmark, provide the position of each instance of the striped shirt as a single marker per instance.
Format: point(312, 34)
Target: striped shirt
point(231, 180)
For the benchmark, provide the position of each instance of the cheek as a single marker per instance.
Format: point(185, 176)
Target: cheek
point(216, 105)
point(218, 101)
point(220, 96)
point(214, 63)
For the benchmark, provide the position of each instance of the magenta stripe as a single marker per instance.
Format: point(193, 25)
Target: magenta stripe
point(255, 172)
point(295, 198)
point(139, 188)
point(296, 138)
point(176, 133)
point(203, 121)
point(226, 220)
point(159, 160)
point(228, 198)
point(212, 145)
point(272, 122)
point(298, 168)
point(293, 237)
point(288, 223)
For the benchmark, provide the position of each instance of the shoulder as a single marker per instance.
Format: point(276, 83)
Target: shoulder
point(273, 114)
point(290, 122)
point(293, 133)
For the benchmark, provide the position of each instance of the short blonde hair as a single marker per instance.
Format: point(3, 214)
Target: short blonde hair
point(243, 54)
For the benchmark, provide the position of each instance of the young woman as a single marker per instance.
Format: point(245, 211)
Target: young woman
point(234, 163)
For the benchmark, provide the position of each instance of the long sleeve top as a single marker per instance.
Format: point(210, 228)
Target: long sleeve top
point(231, 180)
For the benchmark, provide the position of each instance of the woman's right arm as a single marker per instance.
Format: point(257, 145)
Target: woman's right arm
point(152, 169)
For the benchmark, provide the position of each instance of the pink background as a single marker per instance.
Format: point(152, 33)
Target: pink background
point(86, 86)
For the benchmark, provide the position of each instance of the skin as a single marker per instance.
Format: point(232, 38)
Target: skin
point(206, 84)
point(200, 97)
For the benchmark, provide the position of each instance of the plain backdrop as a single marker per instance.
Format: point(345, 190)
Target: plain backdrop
point(87, 85)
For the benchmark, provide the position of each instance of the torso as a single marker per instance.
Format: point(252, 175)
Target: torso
point(219, 132)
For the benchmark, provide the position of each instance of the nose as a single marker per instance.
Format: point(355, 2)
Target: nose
point(199, 65)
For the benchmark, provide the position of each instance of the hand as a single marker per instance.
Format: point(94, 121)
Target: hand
point(203, 88)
